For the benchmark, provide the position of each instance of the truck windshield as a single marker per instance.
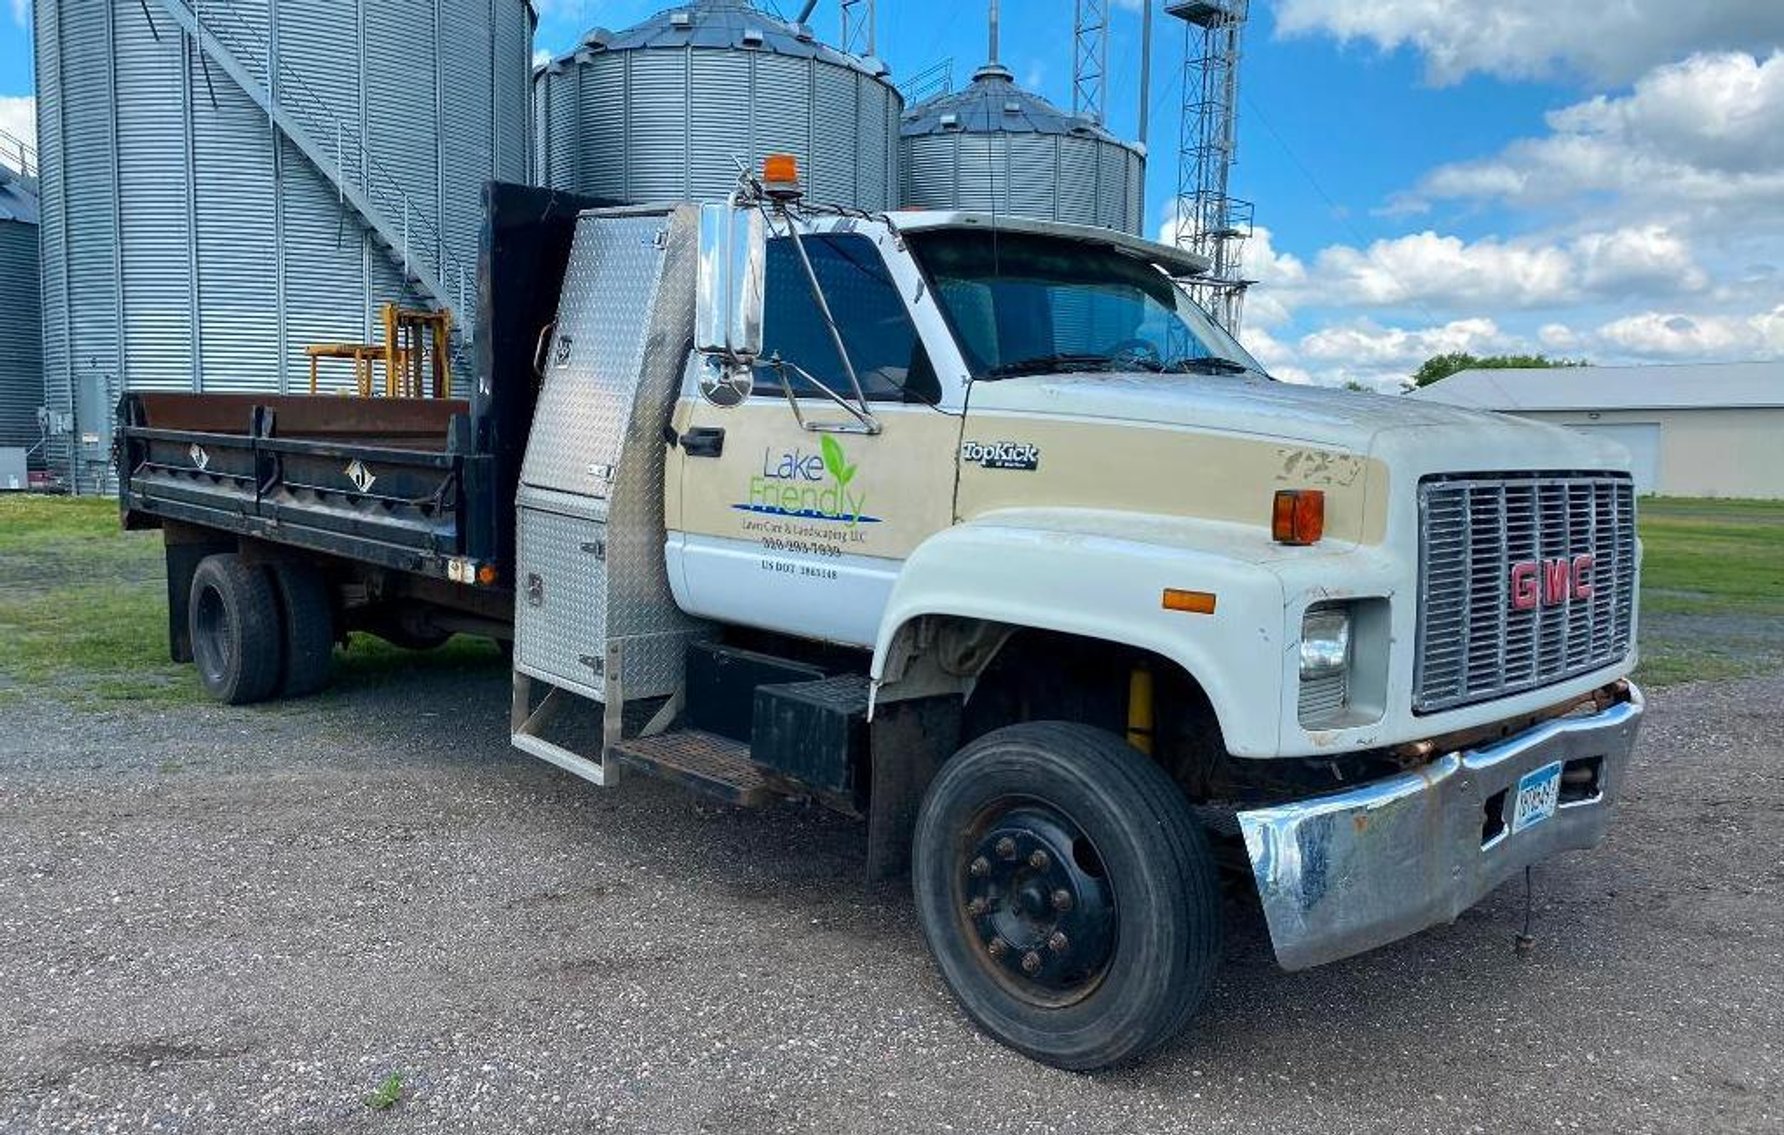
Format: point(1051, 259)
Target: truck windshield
point(1024, 304)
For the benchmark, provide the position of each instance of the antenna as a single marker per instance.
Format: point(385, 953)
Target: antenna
point(1210, 221)
point(1090, 60)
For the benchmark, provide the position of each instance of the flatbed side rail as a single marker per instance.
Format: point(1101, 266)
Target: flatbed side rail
point(373, 495)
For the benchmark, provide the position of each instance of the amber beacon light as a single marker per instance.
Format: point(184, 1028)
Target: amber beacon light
point(780, 176)
point(1299, 518)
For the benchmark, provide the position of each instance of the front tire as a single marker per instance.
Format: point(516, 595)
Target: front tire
point(237, 642)
point(1069, 897)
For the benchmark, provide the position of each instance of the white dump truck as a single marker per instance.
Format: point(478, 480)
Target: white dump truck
point(976, 528)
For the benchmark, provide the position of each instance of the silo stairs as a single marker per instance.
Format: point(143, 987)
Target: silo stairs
point(365, 188)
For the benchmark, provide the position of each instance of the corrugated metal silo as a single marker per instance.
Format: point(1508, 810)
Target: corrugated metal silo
point(663, 111)
point(996, 147)
point(21, 328)
point(226, 182)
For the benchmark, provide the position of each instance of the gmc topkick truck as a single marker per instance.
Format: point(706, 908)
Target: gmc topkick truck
point(976, 528)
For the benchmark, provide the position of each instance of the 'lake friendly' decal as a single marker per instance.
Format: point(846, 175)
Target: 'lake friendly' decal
point(809, 486)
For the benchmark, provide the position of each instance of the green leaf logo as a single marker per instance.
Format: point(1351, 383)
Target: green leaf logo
point(837, 462)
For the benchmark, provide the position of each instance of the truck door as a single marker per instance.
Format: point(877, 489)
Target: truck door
point(802, 528)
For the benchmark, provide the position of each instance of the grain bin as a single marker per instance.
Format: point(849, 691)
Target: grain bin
point(994, 147)
point(226, 182)
point(21, 329)
point(664, 110)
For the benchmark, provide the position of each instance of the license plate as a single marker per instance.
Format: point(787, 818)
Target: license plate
point(1539, 794)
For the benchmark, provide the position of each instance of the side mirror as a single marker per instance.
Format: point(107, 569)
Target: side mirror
point(733, 272)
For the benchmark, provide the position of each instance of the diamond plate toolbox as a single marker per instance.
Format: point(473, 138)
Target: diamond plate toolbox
point(591, 536)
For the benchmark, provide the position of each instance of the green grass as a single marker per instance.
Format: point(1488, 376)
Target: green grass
point(83, 615)
point(387, 1093)
point(1712, 590)
point(1707, 557)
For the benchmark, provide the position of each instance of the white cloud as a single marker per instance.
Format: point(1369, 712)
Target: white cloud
point(1431, 270)
point(1663, 335)
point(1612, 42)
point(1426, 268)
point(1650, 259)
point(1367, 352)
point(1703, 132)
point(1367, 346)
point(1558, 337)
point(1281, 360)
point(21, 13)
point(1643, 224)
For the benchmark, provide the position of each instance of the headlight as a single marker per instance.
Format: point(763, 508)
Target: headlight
point(1325, 643)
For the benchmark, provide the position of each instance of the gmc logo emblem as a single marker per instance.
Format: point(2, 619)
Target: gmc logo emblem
point(1551, 583)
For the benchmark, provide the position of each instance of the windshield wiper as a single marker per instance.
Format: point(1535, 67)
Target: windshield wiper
point(1043, 363)
point(1208, 364)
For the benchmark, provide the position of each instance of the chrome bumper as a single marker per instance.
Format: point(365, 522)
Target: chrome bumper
point(1346, 873)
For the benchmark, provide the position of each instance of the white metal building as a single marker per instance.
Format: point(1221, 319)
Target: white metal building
point(1707, 430)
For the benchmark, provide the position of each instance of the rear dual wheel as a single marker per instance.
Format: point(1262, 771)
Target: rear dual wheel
point(260, 631)
point(1070, 899)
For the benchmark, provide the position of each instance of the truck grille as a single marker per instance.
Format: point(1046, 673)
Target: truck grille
point(1474, 644)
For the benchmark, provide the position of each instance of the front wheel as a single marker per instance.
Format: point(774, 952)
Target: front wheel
point(1070, 899)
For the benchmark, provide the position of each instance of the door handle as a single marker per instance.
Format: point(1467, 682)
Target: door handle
point(703, 442)
point(539, 349)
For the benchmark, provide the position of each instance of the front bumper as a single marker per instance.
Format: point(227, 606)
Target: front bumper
point(1346, 873)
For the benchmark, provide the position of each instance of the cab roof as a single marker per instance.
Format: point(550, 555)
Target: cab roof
point(1176, 261)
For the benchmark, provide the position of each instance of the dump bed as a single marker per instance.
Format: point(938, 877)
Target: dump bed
point(412, 485)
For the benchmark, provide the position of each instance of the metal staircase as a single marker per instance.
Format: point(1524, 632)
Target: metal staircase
point(411, 239)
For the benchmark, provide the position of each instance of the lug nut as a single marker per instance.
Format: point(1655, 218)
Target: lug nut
point(1058, 942)
point(980, 868)
point(1031, 963)
point(1062, 900)
point(1039, 860)
point(977, 907)
point(998, 947)
point(1006, 848)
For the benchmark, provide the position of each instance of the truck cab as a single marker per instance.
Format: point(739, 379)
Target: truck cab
point(980, 529)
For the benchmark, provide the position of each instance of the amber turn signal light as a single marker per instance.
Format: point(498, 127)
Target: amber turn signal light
point(1189, 602)
point(1299, 518)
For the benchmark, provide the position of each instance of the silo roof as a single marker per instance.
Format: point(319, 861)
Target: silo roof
point(993, 104)
point(18, 197)
point(723, 25)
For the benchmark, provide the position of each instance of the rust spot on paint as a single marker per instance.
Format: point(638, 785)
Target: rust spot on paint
point(1319, 467)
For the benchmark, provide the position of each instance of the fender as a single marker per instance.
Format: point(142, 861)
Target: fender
point(1103, 575)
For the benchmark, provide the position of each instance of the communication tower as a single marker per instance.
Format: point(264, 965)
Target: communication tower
point(1210, 220)
point(860, 27)
point(1090, 60)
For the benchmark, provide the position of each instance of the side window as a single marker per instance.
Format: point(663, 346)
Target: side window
point(882, 341)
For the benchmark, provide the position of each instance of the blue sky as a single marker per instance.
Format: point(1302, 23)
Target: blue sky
point(1596, 179)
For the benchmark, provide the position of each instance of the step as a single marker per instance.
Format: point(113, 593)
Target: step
point(705, 762)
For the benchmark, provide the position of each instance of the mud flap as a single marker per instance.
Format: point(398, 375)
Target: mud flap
point(908, 743)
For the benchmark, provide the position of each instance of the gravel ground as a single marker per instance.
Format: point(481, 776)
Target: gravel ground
point(242, 921)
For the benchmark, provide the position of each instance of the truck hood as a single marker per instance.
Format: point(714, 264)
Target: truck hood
point(1388, 426)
